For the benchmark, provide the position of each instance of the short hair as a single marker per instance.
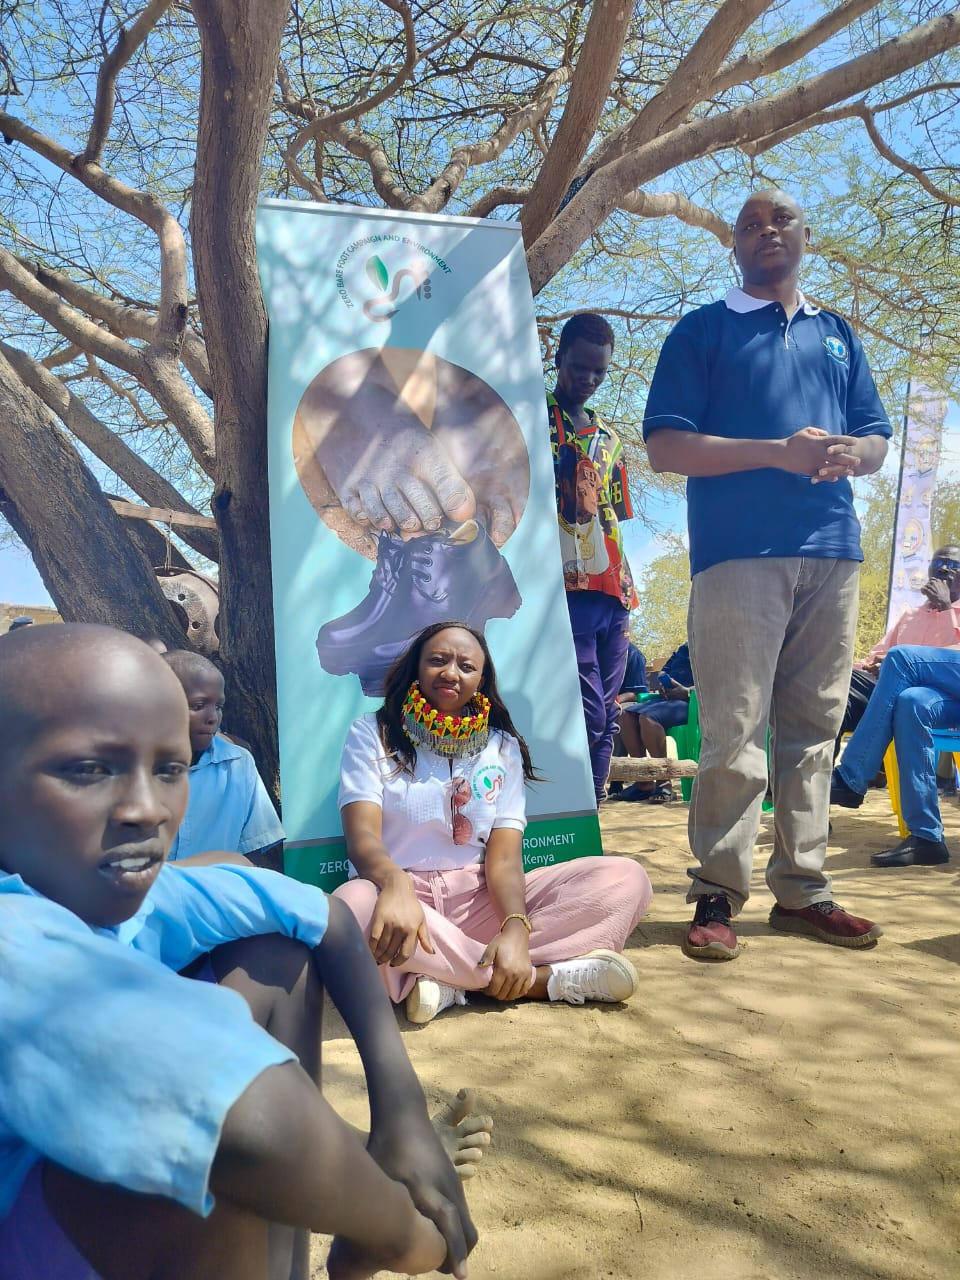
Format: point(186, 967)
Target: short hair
point(186, 662)
point(589, 326)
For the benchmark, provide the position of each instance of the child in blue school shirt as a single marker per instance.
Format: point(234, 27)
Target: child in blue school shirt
point(148, 1124)
point(229, 807)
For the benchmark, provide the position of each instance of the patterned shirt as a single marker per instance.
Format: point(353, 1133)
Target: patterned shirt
point(592, 499)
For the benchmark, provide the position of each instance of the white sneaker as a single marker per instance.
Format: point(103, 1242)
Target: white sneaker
point(599, 975)
point(429, 997)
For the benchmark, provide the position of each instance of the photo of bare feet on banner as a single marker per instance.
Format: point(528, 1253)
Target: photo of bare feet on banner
point(420, 466)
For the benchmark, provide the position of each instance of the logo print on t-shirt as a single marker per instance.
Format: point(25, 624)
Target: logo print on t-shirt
point(487, 783)
point(837, 348)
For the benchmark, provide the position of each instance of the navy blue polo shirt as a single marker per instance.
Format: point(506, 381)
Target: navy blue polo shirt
point(740, 369)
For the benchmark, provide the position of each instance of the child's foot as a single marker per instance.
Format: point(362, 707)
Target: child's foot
point(429, 997)
point(463, 1133)
point(599, 975)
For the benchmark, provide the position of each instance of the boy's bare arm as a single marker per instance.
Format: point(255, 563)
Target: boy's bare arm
point(285, 1155)
point(402, 1139)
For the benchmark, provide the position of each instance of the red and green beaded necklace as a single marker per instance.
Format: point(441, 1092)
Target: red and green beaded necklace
point(463, 735)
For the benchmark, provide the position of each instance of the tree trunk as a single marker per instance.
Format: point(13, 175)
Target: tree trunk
point(240, 46)
point(90, 567)
point(596, 66)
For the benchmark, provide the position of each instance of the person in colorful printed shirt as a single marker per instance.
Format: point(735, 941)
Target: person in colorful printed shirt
point(592, 498)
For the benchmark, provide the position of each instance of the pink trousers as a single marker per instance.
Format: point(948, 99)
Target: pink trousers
point(575, 907)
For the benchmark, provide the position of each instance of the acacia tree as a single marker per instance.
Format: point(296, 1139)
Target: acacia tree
point(140, 133)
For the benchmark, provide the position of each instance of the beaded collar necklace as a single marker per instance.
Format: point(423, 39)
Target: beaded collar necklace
point(451, 736)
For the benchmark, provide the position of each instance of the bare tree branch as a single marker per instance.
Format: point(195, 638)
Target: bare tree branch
point(122, 319)
point(128, 40)
point(496, 198)
point(666, 204)
point(321, 124)
point(56, 506)
point(596, 65)
point(436, 196)
point(860, 111)
point(748, 69)
point(687, 84)
point(606, 187)
point(158, 373)
point(108, 446)
point(172, 311)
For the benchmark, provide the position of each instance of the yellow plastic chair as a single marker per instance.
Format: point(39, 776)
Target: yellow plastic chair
point(893, 788)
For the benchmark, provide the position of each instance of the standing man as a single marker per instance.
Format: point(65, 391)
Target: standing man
point(766, 403)
point(592, 498)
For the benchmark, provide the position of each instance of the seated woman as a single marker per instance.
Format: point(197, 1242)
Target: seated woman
point(432, 803)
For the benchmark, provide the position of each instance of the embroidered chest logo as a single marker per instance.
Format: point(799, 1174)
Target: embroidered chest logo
point(837, 348)
point(487, 783)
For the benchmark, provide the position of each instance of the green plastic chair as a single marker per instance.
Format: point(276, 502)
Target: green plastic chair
point(687, 738)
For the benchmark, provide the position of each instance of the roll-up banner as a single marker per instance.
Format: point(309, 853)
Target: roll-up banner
point(411, 482)
point(922, 440)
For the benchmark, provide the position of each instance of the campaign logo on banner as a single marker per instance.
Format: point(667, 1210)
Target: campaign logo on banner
point(411, 483)
point(379, 272)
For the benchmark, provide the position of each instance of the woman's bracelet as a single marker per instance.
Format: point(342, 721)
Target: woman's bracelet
point(518, 915)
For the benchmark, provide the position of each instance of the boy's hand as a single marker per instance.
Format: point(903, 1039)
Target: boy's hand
point(398, 924)
point(408, 1149)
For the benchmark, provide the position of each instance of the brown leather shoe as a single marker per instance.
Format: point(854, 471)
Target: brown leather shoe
point(711, 936)
point(828, 922)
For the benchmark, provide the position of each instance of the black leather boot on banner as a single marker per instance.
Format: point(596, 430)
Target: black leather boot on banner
point(451, 575)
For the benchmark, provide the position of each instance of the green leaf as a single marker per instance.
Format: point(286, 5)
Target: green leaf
point(377, 272)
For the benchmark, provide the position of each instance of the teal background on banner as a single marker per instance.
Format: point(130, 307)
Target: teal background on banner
point(477, 313)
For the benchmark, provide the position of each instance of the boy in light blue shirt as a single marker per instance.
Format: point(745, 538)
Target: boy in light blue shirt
point(149, 1126)
point(229, 806)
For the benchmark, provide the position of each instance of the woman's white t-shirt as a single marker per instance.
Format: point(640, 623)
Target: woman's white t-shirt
point(418, 811)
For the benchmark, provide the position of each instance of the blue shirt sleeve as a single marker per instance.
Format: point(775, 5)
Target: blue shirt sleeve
point(261, 827)
point(194, 909)
point(112, 1065)
point(680, 389)
point(865, 414)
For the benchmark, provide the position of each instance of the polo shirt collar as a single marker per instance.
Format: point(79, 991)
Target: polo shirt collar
point(741, 302)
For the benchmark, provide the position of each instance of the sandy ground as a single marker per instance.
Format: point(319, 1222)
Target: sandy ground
point(792, 1115)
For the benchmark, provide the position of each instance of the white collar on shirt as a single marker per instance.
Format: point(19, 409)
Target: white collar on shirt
point(742, 302)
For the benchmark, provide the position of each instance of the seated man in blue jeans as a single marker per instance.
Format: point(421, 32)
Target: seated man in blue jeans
point(918, 690)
